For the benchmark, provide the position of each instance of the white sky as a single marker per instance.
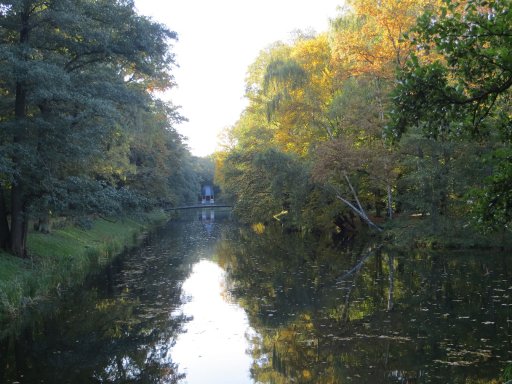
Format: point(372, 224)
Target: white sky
point(218, 40)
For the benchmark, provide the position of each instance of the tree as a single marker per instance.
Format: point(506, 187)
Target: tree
point(358, 151)
point(298, 91)
point(368, 39)
point(267, 184)
point(68, 69)
point(367, 48)
point(463, 92)
point(265, 166)
point(157, 155)
point(325, 99)
point(340, 162)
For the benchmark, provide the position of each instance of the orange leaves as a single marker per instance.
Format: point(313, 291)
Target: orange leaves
point(370, 39)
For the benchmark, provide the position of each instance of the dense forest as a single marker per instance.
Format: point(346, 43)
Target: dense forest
point(398, 117)
point(82, 128)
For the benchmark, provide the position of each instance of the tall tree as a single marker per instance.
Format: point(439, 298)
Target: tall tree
point(367, 48)
point(68, 69)
point(298, 90)
point(463, 94)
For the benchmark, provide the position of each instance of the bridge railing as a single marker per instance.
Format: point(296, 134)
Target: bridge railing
point(199, 205)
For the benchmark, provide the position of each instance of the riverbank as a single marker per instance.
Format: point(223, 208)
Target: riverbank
point(445, 233)
point(64, 257)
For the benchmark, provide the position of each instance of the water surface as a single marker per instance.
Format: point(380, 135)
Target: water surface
point(213, 347)
point(206, 301)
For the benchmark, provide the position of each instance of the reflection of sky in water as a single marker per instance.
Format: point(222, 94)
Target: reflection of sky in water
point(213, 347)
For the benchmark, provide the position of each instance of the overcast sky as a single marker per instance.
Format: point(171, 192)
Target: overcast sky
point(218, 40)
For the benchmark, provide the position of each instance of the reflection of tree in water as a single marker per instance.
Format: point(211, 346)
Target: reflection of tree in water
point(399, 318)
point(119, 331)
point(110, 342)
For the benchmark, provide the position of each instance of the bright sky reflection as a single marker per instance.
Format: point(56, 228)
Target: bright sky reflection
point(213, 348)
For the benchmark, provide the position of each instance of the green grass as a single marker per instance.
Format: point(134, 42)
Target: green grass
point(15, 273)
point(64, 258)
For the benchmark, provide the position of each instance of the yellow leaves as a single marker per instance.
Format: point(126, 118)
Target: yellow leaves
point(219, 159)
point(314, 56)
point(306, 374)
point(308, 92)
point(295, 89)
point(373, 43)
point(104, 305)
point(158, 84)
point(258, 228)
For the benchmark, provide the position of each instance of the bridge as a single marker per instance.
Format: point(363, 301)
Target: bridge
point(196, 206)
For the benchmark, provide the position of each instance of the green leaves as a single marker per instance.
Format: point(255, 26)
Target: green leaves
point(77, 73)
point(492, 204)
point(459, 91)
point(265, 183)
point(474, 47)
point(424, 98)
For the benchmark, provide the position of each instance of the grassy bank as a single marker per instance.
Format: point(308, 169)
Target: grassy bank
point(64, 258)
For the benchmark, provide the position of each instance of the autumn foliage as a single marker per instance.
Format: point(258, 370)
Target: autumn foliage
point(328, 104)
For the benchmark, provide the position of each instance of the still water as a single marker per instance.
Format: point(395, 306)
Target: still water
point(207, 301)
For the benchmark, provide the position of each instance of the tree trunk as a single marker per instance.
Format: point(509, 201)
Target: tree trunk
point(390, 201)
point(43, 223)
point(19, 219)
point(18, 214)
point(5, 234)
point(19, 222)
point(377, 200)
point(391, 282)
point(359, 209)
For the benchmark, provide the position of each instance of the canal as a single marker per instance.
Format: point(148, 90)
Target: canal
point(207, 301)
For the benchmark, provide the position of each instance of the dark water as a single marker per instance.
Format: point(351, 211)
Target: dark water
point(205, 301)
